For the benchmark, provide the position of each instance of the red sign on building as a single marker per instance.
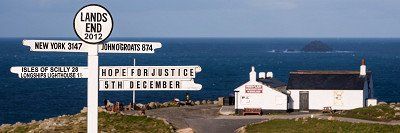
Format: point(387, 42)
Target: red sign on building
point(253, 88)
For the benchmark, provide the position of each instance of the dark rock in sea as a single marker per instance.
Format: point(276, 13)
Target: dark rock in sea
point(316, 46)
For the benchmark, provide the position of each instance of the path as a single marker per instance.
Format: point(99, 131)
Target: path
point(202, 119)
point(205, 118)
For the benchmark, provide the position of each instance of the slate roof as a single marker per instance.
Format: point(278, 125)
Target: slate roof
point(273, 83)
point(326, 80)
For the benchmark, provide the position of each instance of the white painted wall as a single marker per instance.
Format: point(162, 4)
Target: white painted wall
point(269, 99)
point(318, 99)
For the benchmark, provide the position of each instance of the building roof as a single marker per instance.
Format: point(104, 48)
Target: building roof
point(326, 80)
point(273, 83)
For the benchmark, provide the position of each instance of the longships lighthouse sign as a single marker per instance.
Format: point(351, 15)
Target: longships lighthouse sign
point(93, 24)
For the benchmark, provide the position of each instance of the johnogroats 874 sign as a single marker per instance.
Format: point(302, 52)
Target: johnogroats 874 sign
point(93, 24)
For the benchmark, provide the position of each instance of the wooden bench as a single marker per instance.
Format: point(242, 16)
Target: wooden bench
point(256, 111)
point(327, 110)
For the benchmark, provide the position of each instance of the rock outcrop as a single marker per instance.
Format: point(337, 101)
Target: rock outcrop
point(316, 46)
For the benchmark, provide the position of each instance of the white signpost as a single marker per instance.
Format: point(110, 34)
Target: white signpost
point(93, 24)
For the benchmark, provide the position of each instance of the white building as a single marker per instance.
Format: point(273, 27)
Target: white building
point(339, 90)
point(265, 93)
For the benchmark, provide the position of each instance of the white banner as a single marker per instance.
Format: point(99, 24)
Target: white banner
point(80, 46)
point(50, 71)
point(147, 84)
point(153, 72)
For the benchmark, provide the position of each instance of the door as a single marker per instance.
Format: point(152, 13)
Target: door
point(303, 101)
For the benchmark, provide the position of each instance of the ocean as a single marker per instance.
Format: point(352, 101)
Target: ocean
point(225, 65)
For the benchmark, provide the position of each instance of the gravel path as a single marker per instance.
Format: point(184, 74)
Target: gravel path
point(179, 116)
point(219, 125)
point(205, 118)
point(202, 119)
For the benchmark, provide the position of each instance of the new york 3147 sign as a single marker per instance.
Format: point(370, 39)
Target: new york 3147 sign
point(93, 24)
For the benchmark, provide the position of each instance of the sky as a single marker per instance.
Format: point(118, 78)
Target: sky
point(209, 18)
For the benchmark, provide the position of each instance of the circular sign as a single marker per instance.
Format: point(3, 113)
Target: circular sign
point(93, 24)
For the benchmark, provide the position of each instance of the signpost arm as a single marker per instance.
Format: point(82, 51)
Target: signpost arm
point(92, 90)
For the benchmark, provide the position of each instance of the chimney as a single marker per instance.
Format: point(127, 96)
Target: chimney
point(261, 75)
point(252, 74)
point(363, 68)
point(270, 75)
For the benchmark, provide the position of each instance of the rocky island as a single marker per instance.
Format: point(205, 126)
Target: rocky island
point(316, 46)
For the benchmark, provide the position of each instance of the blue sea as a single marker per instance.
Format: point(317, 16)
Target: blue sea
point(225, 65)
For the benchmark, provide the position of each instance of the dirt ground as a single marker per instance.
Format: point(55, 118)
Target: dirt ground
point(202, 119)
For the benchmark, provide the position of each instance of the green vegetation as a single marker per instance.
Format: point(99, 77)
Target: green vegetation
point(317, 126)
point(20, 129)
point(375, 113)
point(134, 124)
point(107, 123)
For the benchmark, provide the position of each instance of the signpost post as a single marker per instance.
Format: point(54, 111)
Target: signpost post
point(92, 92)
point(93, 24)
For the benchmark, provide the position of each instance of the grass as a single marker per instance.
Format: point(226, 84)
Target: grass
point(317, 126)
point(375, 113)
point(107, 123)
point(136, 124)
point(21, 129)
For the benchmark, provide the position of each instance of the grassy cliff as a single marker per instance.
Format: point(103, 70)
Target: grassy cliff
point(375, 113)
point(77, 123)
